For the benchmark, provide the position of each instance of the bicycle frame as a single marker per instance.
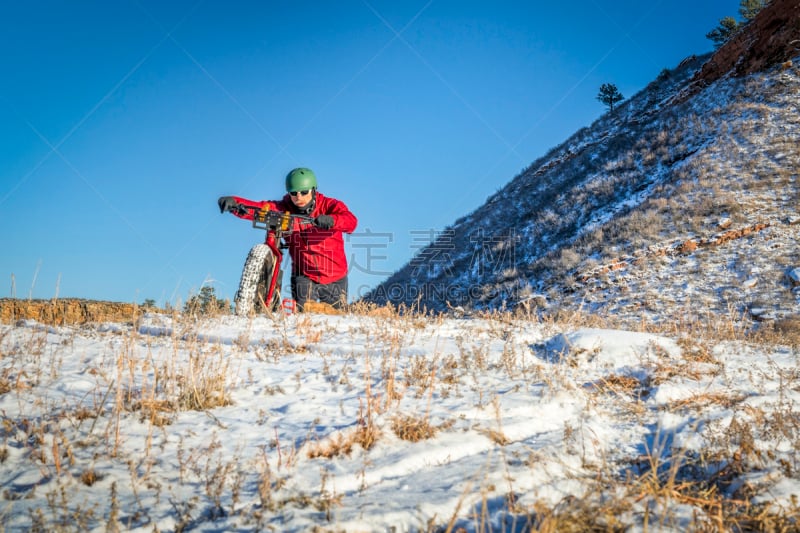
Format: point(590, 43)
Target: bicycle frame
point(276, 223)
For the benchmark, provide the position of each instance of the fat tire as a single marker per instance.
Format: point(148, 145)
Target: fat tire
point(254, 284)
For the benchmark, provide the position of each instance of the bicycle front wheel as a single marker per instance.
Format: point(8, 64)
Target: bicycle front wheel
point(254, 284)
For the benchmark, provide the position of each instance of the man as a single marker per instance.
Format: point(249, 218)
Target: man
point(319, 262)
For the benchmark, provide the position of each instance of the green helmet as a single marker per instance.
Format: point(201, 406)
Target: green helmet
point(300, 179)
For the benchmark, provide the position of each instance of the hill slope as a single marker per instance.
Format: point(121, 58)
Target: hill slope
point(684, 200)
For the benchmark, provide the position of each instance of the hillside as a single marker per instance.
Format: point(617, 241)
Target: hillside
point(683, 201)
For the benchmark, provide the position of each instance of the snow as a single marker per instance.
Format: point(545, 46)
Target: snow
point(519, 411)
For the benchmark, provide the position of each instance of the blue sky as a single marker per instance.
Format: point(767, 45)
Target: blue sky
point(122, 122)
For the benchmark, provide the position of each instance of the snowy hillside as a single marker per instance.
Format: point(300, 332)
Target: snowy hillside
point(684, 200)
point(377, 422)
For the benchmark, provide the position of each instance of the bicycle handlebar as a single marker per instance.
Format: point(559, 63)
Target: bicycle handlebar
point(271, 220)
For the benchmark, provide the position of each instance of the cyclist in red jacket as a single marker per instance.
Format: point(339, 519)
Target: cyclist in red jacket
point(319, 262)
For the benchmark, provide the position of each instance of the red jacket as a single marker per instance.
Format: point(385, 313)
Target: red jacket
point(316, 253)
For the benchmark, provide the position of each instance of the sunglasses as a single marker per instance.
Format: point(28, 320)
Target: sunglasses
point(301, 193)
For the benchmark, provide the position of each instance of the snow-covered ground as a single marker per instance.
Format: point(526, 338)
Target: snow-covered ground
point(379, 423)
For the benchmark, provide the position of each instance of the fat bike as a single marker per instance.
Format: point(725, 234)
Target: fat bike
point(260, 285)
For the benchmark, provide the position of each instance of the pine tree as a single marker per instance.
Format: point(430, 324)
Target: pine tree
point(205, 303)
point(208, 298)
point(609, 95)
point(748, 9)
point(719, 35)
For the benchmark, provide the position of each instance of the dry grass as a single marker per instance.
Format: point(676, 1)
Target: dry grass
point(339, 444)
point(413, 428)
point(622, 385)
point(704, 400)
point(89, 477)
point(783, 331)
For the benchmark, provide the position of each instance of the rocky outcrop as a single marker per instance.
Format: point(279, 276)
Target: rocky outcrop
point(66, 311)
point(771, 38)
point(683, 247)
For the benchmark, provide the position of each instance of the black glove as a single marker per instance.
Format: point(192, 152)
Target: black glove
point(324, 222)
point(227, 203)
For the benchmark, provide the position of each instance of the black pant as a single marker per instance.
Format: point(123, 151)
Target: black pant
point(304, 289)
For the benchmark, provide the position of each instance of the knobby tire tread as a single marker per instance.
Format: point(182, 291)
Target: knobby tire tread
point(254, 283)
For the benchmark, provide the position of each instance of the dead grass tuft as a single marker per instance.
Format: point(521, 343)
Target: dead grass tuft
point(366, 435)
point(495, 435)
point(787, 331)
point(578, 515)
point(370, 309)
point(696, 351)
point(204, 393)
point(343, 443)
point(412, 428)
point(157, 412)
point(89, 477)
point(664, 372)
point(704, 400)
point(331, 447)
point(622, 385)
point(13, 382)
